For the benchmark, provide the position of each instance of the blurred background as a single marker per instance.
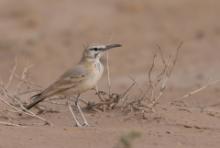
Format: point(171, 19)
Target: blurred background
point(51, 34)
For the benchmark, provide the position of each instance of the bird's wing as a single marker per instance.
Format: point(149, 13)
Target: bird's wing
point(69, 79)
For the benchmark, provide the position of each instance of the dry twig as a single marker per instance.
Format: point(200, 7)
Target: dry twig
point(148, 97)
point(198, 90)
point(12, 100)
point(10, 124)
point(12, 74)
point(108, 73)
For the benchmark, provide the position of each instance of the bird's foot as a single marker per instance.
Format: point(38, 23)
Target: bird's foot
point(85, 124)
point(78, 125)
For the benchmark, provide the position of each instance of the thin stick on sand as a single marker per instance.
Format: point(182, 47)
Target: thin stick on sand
point(10, 124)
point(198, 90)
point(108, 72)
point(6, 96)
point(12, 74)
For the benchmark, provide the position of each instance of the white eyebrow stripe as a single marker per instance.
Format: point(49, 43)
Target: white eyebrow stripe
point(97, 46)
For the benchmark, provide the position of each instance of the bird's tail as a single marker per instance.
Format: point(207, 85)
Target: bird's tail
point(36, 99)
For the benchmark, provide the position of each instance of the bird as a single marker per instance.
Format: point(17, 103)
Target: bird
point(82, 77)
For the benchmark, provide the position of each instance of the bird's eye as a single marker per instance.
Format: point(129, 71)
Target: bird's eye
point(95, 49)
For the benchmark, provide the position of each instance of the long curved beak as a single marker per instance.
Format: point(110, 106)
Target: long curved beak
point(110, 46)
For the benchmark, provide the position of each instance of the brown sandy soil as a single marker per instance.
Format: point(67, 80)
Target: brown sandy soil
point(51, 34)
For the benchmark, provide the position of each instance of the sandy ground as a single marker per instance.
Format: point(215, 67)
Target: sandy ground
point(51, 35)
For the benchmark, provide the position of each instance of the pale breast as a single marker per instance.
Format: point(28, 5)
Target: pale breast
point(94, 76)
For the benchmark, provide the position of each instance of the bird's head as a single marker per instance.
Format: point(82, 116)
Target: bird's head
point(96, 51)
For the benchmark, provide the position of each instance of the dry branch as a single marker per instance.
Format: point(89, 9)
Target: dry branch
point(148, 97)
point(12, 101)
point(198, 90)
point(11, 77)
point(10, 124)
point(158, 85)
point(108, 73)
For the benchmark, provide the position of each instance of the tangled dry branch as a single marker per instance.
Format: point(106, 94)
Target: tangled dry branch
point(146, 101)
point(150, 92)
point(14, 103)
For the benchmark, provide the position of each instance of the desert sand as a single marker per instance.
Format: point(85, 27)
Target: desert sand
point(52, 34)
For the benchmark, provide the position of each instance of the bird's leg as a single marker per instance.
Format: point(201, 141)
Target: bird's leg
point(72, 112)
point(85, 123)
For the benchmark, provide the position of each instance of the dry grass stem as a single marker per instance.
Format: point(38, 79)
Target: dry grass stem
point(12, 74)
point(21, 108)
point(23, 76)
point(108, 72)
point(10, 124)
point(158, 86)
point(13, 102)
point(198, 90)
point(150, 93)
point(124, 94)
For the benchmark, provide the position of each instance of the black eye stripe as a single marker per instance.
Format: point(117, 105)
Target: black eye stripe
point(94, 49)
